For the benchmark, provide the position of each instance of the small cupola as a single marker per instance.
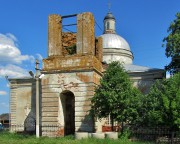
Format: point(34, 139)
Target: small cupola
point(109, 23)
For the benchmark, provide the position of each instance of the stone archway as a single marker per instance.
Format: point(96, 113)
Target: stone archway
point(68, 108)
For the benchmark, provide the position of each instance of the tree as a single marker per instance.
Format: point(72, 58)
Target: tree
point(162, 105)
point(172, 45)
point(115, 95)
point(152, 109)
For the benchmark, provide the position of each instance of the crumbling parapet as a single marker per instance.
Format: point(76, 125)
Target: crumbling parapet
point(85, 34)
point(55, 35)
point(85, 43)
point(72, 63)
point(88, 53)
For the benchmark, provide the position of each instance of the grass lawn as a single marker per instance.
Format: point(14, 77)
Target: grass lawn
point(12, 138)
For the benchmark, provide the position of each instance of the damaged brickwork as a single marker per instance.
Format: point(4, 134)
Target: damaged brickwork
point(68, 39)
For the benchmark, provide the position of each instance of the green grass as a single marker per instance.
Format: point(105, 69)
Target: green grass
point(13, 138)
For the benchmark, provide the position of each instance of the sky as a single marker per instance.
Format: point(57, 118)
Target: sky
point(23, 31)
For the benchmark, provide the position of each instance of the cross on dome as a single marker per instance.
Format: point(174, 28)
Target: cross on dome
point(109, 6)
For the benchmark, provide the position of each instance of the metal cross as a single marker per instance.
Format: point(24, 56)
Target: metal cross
point(109, 5)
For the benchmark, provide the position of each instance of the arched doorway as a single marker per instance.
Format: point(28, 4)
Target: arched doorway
point(68, 109)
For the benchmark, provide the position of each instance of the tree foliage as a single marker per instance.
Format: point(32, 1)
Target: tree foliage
point(161, 107)
point(172, 45)
point(115, 95)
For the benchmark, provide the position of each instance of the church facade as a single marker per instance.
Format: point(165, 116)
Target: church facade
point(72, 70)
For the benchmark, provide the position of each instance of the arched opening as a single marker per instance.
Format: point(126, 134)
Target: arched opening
point(68, 110)
point(108, 25)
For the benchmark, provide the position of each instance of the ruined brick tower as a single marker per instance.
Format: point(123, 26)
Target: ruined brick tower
point(70, 78)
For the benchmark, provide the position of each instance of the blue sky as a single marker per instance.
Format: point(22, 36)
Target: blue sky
point(23, 31)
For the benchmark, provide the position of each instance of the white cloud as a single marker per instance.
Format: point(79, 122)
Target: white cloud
point(3, 93)
point(12, 36)
point(9, 51)
point(11, 57)
point(8, 39)
point(13, 71)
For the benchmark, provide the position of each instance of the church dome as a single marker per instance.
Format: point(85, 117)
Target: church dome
point(115, 47)
point(114, 41)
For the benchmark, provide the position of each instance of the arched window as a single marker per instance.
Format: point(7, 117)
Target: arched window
point(108, 25)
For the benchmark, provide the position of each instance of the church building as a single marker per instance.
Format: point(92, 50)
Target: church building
point(71, 72)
